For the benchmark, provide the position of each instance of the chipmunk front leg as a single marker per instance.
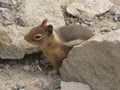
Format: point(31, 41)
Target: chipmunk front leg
point(56, 65)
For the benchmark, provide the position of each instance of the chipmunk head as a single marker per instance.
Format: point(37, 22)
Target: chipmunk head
point(40, 34)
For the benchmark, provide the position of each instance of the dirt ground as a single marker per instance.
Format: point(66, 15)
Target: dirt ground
point(28, 74)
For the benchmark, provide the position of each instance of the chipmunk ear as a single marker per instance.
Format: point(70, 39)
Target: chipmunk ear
point(44, 22)
point(49, 30)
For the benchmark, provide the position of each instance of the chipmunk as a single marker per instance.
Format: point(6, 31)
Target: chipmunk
point(56, 44)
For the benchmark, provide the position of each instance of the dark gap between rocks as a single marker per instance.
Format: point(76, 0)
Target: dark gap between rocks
point(36, 60)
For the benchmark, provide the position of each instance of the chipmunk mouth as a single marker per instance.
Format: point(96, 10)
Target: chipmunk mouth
point(29, 40)
point(26, 38)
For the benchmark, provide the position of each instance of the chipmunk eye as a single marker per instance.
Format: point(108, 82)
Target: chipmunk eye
point(38, 36)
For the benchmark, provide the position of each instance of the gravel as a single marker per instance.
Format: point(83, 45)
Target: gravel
point(7, 22)
point(19, 86)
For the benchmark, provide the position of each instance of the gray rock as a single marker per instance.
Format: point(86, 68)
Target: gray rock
point(20, 86)
point(89, 20)
point(19, 22)
point(7, 15)
point(88, 23)
point(116, 18)
point(7, 22)
point(54, 86)
point(95, 62)
point(74, 86)
point(115, 28)
point(117, 12)
point(8, 6)
point(33, 12)
point(4, 5)
point(26, 68)
point(86, 7)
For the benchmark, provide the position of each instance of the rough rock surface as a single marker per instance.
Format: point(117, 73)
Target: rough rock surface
point(86, 7)
point(73, 86)
point(96, 62)
point(34, 11)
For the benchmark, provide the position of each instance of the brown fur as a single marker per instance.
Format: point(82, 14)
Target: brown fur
point(57, 44)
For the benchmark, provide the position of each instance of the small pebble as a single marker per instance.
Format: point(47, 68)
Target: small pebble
point(115, 27)
point(4, 5)
point(117, 12)
point(116, 18)
point(36, 62)
point(119, 18)
point(57, 84)
point(89, 23)
point(6, 23)
point(104, 31)
point(7, 66)
point(19, 86)
point(19, 22)
point(14, 1)
point(1, 65)
point(26, 68)
point(89, 20)
point(54, 86)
